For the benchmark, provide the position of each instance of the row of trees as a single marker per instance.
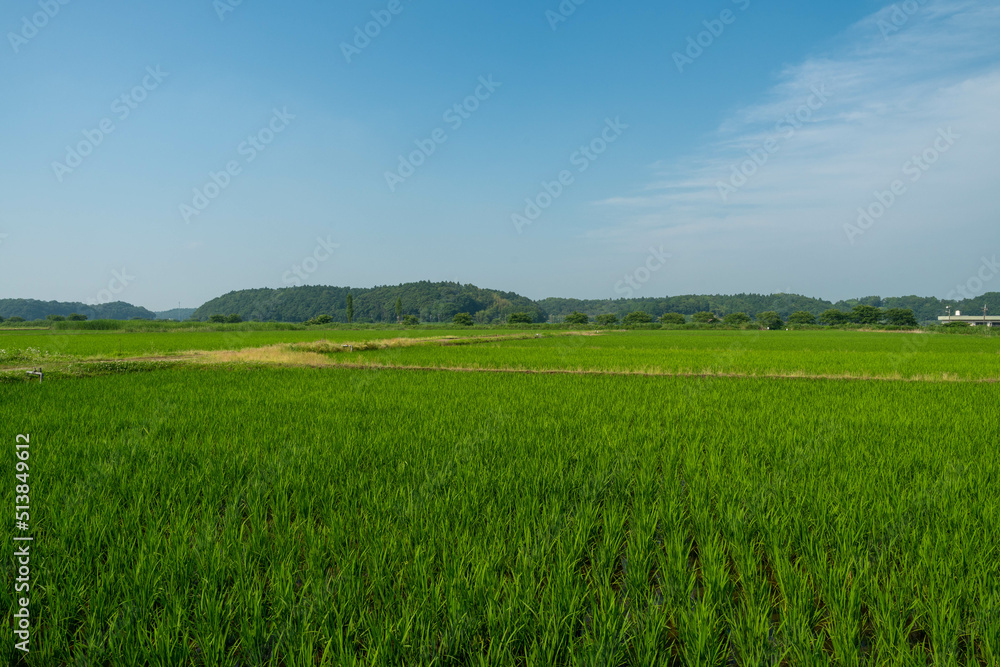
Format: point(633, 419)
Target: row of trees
point(864, 314)
point(769, 319)
point(861, 314)
point(466, 320)
point(924, 309)
point(688, 305)
point(72, 317)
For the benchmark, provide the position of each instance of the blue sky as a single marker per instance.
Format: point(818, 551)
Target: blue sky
point(248, 147)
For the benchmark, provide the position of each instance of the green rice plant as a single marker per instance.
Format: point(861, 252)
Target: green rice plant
point(253, 515)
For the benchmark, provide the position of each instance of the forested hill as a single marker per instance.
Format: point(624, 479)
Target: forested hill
point(439, 302)
point(31, 309)
point(431, 302)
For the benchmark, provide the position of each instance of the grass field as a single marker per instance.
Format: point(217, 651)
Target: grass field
point(112, 344)
point(247, 514)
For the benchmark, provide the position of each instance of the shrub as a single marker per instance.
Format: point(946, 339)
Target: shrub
point(76, 317)
point(834, 317)
point(901, 317)
point(801, 317)
point(411, 320)
point(673, 318)
point(769, 319)
point(519, 318)
point(736, 319)
point(462, 319)
point(862, 314)
point(637, 317)
point(577, 318)
point(607, 320)
point(704, 318)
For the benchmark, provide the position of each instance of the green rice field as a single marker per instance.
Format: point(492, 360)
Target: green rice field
point(382, 514)
point(769, 353)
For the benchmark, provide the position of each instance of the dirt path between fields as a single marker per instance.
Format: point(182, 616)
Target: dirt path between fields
point(319, 361)
point(672, 374)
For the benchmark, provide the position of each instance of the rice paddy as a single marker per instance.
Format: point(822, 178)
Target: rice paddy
point(762, 353)
point(242, 512)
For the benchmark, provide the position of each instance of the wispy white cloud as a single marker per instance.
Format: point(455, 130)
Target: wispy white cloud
point(890, 85)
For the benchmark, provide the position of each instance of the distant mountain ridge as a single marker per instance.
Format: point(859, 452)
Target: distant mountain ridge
point(440, 301)
point(33, 309)
point(178, 314)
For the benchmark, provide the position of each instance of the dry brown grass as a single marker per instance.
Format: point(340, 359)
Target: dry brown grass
point(328, 347)
point(276, 355)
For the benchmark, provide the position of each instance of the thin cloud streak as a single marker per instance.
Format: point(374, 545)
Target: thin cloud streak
point(888, 96)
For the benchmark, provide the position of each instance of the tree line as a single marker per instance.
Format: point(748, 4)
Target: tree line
point(862, 315)
point(925, 309)
point(439, 302)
